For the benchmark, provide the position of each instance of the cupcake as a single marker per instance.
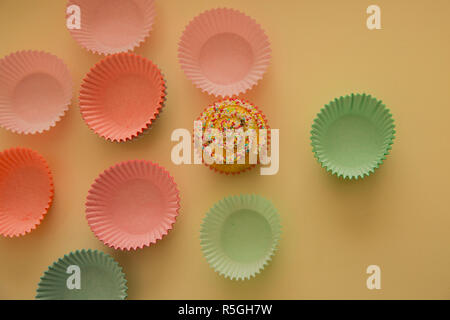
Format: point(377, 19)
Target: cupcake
point(239, 236)
point(352, 135)
point(83, 275)
point(225, 116)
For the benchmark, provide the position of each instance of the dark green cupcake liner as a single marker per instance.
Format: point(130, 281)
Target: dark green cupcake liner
point(101, 278)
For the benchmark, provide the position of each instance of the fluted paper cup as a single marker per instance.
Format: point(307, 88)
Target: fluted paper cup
point(26, 191)
point(352, 135)
point(239, 236)
point(35, 91)
point(132, 204)
point(121, 96)
point(224, 52)
point(100, 276)
point(113, 26)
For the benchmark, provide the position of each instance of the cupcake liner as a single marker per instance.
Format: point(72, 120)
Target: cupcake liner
point(35, 91)
point(121, 96)
point(113, 26)
point(132, 204)
point(101, 278)
point(26, 191)
point(213, 117)
point(239, 236)
point(224, 52)
point(352, 135)
point(148, 129)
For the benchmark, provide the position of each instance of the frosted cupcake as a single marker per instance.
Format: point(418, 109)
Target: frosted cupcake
point(227, 117)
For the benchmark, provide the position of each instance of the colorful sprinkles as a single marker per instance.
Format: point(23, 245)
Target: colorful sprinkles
point(230, 114)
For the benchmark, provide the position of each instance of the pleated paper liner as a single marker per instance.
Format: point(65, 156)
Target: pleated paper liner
point(35, 91)
point(239, 236)
point(121, 96)
point(232, 114)
point(100, 278)
point(148, 130)
point(352, 135)
point(132, 205)
point(224, 52)
point(26, 191)
point(112, 26)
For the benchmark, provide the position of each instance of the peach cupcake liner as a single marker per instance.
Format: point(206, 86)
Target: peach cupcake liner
point(224, 52)
point(132, 205)
point(35, 91)
point(121, 96)
point(223, 113)
point(113, 26)
point(26, 191)
point(148, 130)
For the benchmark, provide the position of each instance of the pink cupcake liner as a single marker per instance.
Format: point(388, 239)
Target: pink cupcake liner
point(113, 26)
point(35, 91)
point(26, 191)
point(121, 96)
point(132, 204)
point(224, 52)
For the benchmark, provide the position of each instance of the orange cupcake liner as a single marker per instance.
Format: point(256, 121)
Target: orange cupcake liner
point(148, 130)
point(26, 191)
point(121, 96)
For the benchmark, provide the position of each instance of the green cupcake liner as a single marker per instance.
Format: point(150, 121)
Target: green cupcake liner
point(239, 236)
point(352, 135)
point(101, 278)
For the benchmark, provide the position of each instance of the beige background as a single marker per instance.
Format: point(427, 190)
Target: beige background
point(398, 218)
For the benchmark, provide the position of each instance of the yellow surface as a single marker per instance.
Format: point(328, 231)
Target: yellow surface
point(397, 219)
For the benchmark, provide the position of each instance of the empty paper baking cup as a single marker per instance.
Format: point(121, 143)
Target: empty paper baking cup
point(352, 135)
point(26, 191)
point(224, 52)
point(239, 235)
point(132, 204)
point(35, 91)
point(110, 26)
point(83, 275)
point(121, 96)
